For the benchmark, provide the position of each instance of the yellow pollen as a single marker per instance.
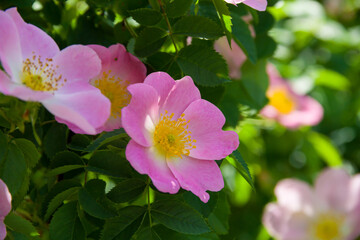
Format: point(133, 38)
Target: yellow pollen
point(327, 227)
point(40, 75)
point(281, 100)
point(171, 137)
point(114, 89)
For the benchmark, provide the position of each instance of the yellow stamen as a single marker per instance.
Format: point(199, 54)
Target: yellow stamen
point(281, 100)
point(114, 89)
point(40, 75)
point(328, 227)
point(172, 138)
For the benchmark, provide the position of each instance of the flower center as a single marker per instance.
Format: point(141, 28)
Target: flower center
point(40, 75)
point(171, 137)
point(281, 100)
point(114, 89)
point(327, 227)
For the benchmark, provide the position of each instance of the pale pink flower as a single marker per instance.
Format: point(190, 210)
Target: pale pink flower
point(5, 207)
point(36, 70)
point(176, 135)
point(119, 70)
point(330, 211)
point(287, 107)
point(256, 4)
point(233, 56)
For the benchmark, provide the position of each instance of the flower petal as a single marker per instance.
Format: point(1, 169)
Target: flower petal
point(32, 39)
point(354, 206)
point(197, 176)
point(333, 187)
point(5, 199)
point(162, 82)
point(10, 51)
point(121, 63)
point(256, 4)
point(146, 161)
point(295, 195)
point(182, 94)
point(87, 110)
point(138, 117)
point(2, 229)
point(76, 63)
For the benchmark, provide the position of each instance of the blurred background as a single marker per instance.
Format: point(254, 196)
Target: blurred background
point(317, 49)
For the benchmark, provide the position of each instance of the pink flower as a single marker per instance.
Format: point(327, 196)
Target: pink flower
point(256, 4)
point(36, 70)
point(233, 56)
point(119, 70)
point(5, 207)
point(288, 108)
point(176, 135)
point(330, 211)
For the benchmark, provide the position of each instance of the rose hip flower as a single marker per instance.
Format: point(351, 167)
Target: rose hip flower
point(176, 135)
point(287, 107)
point(119, 70)
point(36, 70)
point(256, 4)
point(233, 56)
point(330, 211)
point(5, 207)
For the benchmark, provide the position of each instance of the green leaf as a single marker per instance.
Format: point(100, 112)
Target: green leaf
point(165, 62)
point(204, 65)
point(265, 46)
point(55, 190)
point(224, 16)
point(105, 138)
point(59, 199)
point(90, 196)
point(325, 149)
point(165, 233)
point(331, 79)
point(219, 219)
point(109, 163)
point(124, 225)
point(55, 139)
point(178, 8)
point(149, 233)
point(204, 208)
point(239, 163)
point(29, 150)
point(63, 169)
point(149, 41)
point(79, 142)
point(243, 38)
point(197, 26)
point(21, 225)
point(14, 169)
point(178, 217)
point(3, 147)
point(146, 16)
point(124, 6)
point(255, 83)
point(127, 190)
point(66, 225)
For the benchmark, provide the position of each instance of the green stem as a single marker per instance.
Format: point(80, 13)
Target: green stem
point(148, 201)
point(168, 25)
point(131, 30)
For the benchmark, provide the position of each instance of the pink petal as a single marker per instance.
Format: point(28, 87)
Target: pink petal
point(147, 161)
point(121, 63)
point(2, 229)
point(33, 39)
point(295, 195)
point(8, 87)
point(354, 206)
point(162, 82)
point(87, 110)
point(197, 176)
point(182, 94)
point(5, 200)
point(333, 187)
point(234, 56)
point(77, 63)
point(256, 4)
point(284, 225)
point(138, 117)
point(10, 51)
